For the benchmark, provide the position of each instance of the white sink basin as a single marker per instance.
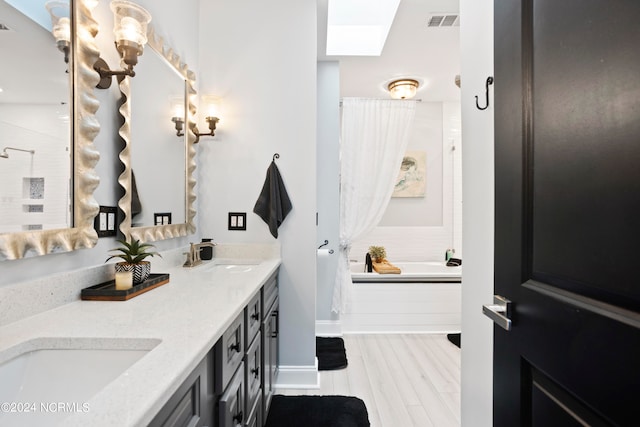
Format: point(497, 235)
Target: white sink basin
point(44, 377)
point(230, 265)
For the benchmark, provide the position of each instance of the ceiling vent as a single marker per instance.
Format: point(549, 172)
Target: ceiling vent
point(443, 20)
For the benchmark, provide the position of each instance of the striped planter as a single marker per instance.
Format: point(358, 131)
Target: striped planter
point(140, 271)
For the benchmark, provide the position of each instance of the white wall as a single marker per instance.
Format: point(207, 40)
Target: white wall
point(426, 135)
point(476, 37)
point(181, 31)
point(328, 185)
point(262, 63)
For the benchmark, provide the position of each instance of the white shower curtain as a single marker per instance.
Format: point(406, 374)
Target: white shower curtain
point(374, 138)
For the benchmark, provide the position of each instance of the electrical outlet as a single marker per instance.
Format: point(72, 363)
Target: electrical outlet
point(237, 220)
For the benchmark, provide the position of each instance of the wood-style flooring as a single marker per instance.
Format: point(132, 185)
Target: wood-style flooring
point(404, 380)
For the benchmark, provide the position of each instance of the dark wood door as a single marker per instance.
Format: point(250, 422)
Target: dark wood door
point(567, 213)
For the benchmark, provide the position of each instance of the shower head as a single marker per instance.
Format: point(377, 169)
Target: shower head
point(5, 155)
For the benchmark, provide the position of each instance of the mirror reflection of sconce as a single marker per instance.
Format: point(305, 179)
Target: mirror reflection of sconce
point(130, 30)
point(60, 26)
point(211, 106)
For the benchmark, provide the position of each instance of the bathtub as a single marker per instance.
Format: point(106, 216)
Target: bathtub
point(423, 272)
point(424, 298)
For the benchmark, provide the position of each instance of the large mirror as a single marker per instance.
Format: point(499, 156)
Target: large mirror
point(47, 127)
point(159, 165)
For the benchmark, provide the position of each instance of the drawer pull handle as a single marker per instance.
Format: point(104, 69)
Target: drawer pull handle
point(274, 318)
point(235, 347)
point(255, 372)
point(255, 316)
point(238, 418)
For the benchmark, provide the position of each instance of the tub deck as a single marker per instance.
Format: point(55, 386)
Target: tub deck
point(415, 272)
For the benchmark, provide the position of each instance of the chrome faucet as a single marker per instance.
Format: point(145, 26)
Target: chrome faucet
point(193, 256)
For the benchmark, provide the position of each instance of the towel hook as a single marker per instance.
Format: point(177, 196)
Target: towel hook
point(276, 156)
point(486, 86)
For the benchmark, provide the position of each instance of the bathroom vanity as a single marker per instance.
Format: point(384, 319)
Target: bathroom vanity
point(226, 388)
point(206, 348)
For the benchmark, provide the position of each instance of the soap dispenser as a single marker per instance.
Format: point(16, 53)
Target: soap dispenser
point(206, 253)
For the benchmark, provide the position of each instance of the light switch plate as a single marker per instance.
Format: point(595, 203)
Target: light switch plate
point(105, 222)
point(162, 218)
point(237, 220)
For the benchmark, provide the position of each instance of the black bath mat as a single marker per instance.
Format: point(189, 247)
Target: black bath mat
point(455, 339)
point(330, 353)
point(317, 411)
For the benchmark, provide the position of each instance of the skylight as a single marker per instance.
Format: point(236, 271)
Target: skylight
point(359, 27)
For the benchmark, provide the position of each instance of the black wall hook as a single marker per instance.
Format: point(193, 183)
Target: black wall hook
point(275, 156)
point(486, 86)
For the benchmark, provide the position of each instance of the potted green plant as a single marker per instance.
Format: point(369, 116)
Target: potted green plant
point(133, 254)
point(378, 253)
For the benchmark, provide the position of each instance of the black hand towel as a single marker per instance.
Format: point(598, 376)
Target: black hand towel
point(273, 204)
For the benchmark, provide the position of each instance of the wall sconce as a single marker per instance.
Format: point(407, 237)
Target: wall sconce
point(130, 30)
point(403, 88)
point(211, 106)
point(60, 26)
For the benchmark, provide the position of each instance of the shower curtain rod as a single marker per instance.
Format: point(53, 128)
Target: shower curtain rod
point(382, 99)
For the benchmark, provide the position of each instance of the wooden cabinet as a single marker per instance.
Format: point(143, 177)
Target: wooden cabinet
point(234, 383)
point(231, 404)
point(245, 399)
point(253, 362)
point(270, 339)
point(229, 353)
point(192, 404)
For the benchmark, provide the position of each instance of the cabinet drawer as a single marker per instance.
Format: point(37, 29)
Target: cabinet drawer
point(255, 416)
point(231, 404)
point(269, 294)
point(270, 356)
point(253, 372)
point(189, 405)
point(252, 318)
point(229, 352)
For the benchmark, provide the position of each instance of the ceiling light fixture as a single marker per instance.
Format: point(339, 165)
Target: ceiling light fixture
point(403, 88)
point(130, 30)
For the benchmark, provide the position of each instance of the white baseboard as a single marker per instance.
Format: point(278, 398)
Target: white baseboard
point(302, 377)
point(328, 328)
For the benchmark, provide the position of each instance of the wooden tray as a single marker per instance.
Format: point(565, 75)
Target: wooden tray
point(107, 291)
point(385, 267)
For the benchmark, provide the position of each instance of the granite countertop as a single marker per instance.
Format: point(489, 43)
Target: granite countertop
point(180, 321)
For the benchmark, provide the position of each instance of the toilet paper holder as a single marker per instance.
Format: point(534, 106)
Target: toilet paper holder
point(326, 242)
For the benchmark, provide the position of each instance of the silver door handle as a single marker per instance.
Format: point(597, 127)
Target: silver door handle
point(499, 312)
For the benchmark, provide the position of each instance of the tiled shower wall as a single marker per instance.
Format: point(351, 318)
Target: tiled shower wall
point(434, 223)
point(35, 187)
